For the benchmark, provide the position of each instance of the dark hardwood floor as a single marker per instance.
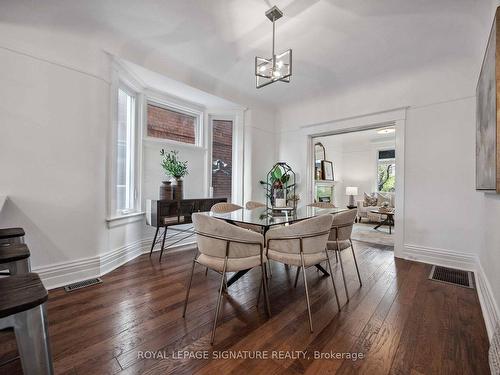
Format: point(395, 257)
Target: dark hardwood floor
point(400, 322)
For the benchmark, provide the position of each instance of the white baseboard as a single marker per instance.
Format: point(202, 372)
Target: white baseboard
point(489, 306)
point(440, 257)
point(469, 262)
point(61, 274)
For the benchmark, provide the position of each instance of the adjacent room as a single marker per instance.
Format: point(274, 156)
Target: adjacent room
point(360, 174)
point(249, 187)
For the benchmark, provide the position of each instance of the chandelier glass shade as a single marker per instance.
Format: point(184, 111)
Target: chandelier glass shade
point(279, 66)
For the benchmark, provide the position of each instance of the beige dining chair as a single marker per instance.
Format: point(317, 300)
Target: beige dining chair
point(302, 245)
point(251, 205)
point(224, 207)
point(322, 205)
point(340, 239)
point(223, 247)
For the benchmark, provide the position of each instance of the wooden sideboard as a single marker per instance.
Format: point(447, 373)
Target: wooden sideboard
point(167, 213)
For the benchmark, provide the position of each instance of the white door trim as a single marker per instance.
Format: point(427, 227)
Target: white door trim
point(395, 117)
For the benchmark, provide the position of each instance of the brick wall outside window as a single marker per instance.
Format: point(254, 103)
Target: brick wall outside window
point(222, 149)
point(168, 124)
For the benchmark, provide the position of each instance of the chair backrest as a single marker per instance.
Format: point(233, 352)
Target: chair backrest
point(213, 235)
point(224, 207)
point(252, 204)
point(314, 233)
point(322, 205)
point(342, 225)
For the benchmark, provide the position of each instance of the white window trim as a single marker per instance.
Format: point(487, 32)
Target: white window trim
point(178, 105)
point(121, 79)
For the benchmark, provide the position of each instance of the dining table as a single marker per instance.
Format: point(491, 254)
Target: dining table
point(266, 218)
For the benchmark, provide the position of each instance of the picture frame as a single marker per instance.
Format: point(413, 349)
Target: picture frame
point(487, 115)
point(327, 170)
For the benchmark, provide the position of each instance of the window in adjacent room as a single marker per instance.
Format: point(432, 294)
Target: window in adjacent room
point(125, 189)
point(173, 124)
point(386, 170)
point(222, 158)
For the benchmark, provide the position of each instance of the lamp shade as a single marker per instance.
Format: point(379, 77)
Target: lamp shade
point(351, 190)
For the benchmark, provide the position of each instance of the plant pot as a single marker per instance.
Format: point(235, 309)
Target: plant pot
point(166, 191)
point(178, 189)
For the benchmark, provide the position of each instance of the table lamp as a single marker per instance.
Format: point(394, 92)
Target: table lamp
point(351, 191)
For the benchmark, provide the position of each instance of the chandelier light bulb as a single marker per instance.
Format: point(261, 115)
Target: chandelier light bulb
point(278, 67)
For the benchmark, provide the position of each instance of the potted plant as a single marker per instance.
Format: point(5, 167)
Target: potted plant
point(175, 168)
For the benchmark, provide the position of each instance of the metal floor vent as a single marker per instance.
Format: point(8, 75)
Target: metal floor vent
point(452, 276)
point(82, 284)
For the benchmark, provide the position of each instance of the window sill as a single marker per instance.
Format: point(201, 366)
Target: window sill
point(125, 219)
point(153, 140)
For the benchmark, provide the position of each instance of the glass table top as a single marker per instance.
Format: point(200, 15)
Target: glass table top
point(266, 217)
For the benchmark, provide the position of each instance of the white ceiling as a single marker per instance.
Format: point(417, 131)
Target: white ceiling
point(336, 43)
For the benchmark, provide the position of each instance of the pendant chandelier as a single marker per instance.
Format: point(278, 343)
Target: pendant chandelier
point(278, 67)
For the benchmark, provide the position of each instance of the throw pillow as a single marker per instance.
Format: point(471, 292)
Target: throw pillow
point(370, 200)
point(383, 198)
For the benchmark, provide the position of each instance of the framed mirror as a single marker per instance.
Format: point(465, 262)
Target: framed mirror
point(319, 152)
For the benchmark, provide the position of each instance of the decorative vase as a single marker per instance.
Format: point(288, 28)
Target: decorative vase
point(279, 198)
point(166, 192)
point(178, 189)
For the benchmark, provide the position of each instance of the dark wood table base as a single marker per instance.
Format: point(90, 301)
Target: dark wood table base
point(389, 221)
point(239, 274)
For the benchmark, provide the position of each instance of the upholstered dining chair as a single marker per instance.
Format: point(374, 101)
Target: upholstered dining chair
point(322, 205)
point(251, 205)
point(303, 245)
point(224, 207)
point(224, 248)
point(340, 239)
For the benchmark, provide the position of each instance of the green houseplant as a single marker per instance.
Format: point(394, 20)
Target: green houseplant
point(279, 179)
point(175, 168)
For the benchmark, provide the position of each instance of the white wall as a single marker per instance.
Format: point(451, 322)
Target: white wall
point(260, 153)
point(52, 148)
point(54, 119)
point(442, 207)
point(446, 221)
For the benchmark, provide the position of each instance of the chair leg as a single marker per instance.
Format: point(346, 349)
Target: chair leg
point(307, 292)
point(356, 264)
point(266, 290)
point(270, 270)
point(31, 329)
point(343, 273)
point(189, 288)
point(258, 294)
point(296, 277)
point(219, 298)
point(333, 281)
point(336, 257)
point(206, 271)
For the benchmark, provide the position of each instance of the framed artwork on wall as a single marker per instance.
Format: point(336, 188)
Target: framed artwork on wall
point(487, 115)
point(327, 168)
